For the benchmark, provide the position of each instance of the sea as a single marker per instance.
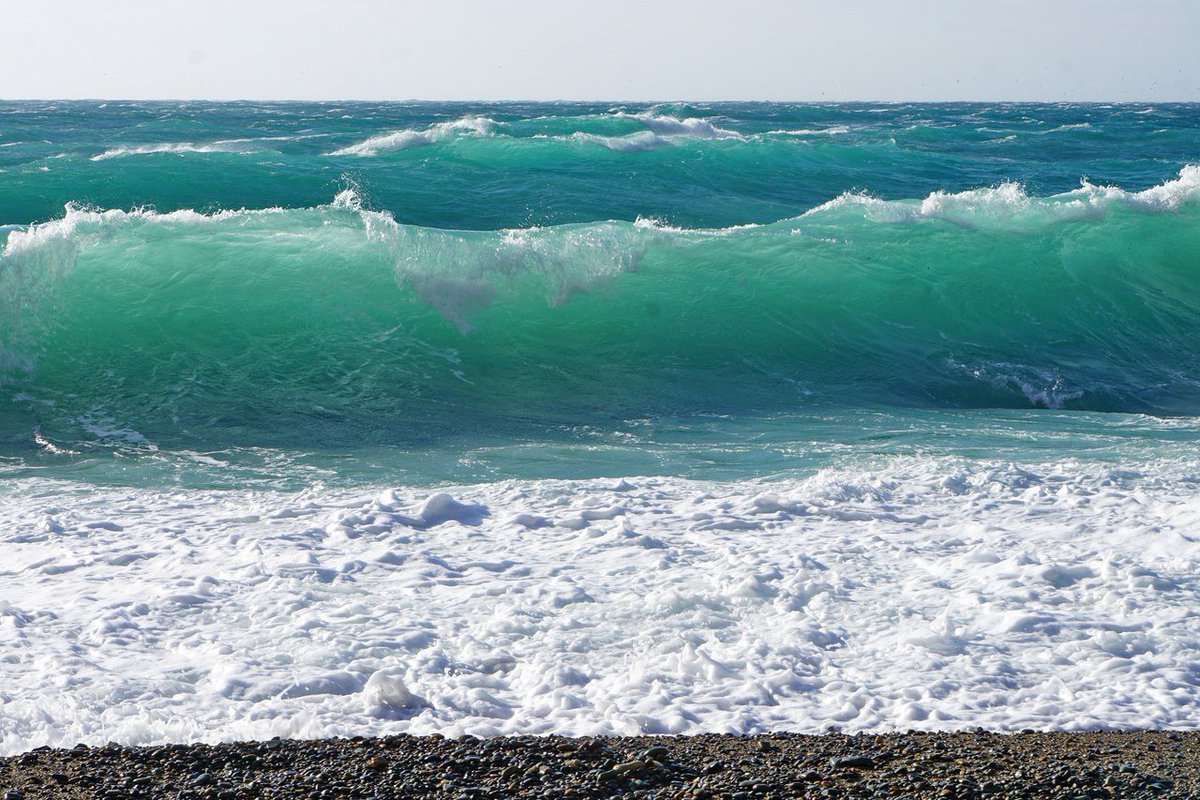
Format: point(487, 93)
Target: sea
point(330, 419)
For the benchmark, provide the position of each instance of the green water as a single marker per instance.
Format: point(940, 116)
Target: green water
point(739, 311)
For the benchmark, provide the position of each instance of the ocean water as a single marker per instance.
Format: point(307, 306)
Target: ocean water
point(320, 419)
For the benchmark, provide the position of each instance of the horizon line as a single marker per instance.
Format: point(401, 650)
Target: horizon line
point(415, 100)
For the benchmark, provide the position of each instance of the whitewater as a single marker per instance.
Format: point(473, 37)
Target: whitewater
point(335, 419)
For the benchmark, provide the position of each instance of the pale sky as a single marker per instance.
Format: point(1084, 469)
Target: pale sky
point(601, 50)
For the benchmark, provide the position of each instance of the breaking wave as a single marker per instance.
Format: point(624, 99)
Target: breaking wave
point(345, 323)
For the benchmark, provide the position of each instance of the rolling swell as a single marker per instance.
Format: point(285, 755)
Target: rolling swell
point(337, 324)
point(491, 166)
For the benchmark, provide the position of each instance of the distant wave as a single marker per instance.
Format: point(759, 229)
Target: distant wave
point(630, 143)
point(404, 139)
point(657, 131)
point(242, 146)
point(174, 147)
point(833, 130)
point(688, 128)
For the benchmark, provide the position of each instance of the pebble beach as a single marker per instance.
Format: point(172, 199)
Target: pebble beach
point(916, 765)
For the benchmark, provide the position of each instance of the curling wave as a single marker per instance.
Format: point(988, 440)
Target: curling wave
point(246, 326)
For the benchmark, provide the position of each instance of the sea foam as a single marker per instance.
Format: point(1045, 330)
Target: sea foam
point(403, 140)
point(932, 594)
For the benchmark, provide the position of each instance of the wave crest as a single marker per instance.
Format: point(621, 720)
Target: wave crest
point(410, 137)
point(688, 127)
point(657, 131)
point(1008, 205)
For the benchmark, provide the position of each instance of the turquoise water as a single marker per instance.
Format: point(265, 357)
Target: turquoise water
point(223, 294)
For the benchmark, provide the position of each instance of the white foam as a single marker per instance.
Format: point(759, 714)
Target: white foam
point(1167, 196)
point(404, 139)
point(77, 218)
point(834, 130)
point(1077, 126)
point(631, 143)
point(1009, 205)
point(228, 146)
point(689, 128)
point(79, 222)
point(660, 227)
point(660, 131)
point(1042, 387)
point(926, 593)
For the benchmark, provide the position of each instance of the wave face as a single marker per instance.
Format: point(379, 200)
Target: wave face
point(337, 324)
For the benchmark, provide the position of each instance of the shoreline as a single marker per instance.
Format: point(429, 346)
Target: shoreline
point(1102, 764)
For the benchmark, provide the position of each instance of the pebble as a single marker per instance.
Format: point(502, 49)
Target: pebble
point(659, 753)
